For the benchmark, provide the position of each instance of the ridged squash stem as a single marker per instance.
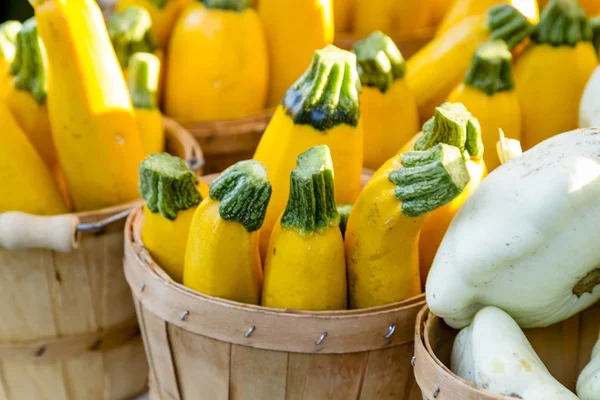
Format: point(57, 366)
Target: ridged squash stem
point(321, 108)
point(8, 39)
point(388, 108)
point(305, 267)
point(344, 212)
point(222, 255)
point(27, 96)
point(491, 68)
point(382, 236)
point(171, 194)
point(129, 32)
point(552, 72)
point(228, 5)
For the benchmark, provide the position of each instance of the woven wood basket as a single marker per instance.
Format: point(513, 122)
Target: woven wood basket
point(68, 326)
point(564, 348)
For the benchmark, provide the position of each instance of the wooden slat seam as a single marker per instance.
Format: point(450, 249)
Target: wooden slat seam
point(229, 377)
point(148, 347)
point(363, 374)
point(5, 387)
point(175, 372)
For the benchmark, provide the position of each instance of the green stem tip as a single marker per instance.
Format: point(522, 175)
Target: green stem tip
point(142, 80)
point(454, 125)
point(491, 68)
point(129, 32)
point(562, 23)
point(159, 3)
point(167, 185)
point(506, 23)
point(344, 211)
point(30, 64)
point(327, 94)
point(311, 206)
point(244, 193)
point(228, 5)
point(429, 179)
point(595, 25)
point(379, 61)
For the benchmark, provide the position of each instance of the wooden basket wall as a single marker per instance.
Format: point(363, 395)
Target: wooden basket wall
point(68, 326)
point(564, 348)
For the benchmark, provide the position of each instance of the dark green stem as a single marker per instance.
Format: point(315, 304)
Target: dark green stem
point(129, 32)
point(344, 213)
point(142, 80)
point(327, 94)
point(228, 5)
point(491, 69)
point(507, 23)
point(167, 185)
point(244, 192)
point(379, 61)
point(29, 65)
point(562, 23)
point(595, 25)
point(429, 179)
point(159, 3)
point(454, 125)
point(8, 38)
point(311, 205)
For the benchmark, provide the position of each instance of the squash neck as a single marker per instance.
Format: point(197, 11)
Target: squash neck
point(244, 193)
point(30, 65)
point(142, 80)
point(167, 185)
point(327, 94)
point(228, 5)
point(562, 23)
point(491, 69)
point(506, 23)
point(8, 39)
point(379, 61)
point(129, 32)
point(344, 211)
point(311, 206)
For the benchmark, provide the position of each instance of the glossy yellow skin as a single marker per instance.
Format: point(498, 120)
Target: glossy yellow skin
point(435, 70)
point(27, 183)
point(163, 19)
point(222, 258)
point(283, 141)
point(550, 82)
point(166, 240)
point(5, 77)
point(500, 111)
point(390, 119)
point(93, 126)
point(305, 272)
point(294, 30)
point(437, 223)
point(382, 245)
point(342, 13)
point(217, 65)
point(35, 122)
point(150, 125)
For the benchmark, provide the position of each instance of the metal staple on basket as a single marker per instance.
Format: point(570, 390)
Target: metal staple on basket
point(391, 330)
point(323, 336)
point(247, 334)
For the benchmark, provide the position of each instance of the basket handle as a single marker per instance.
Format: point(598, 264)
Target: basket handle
point(25, 231)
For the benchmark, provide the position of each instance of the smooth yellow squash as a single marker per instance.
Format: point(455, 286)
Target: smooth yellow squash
point(217, 62)
point(27, 183)
point(93, 126)
point(305, 267)
point(222, 257)
point(342, 12)
point(8, 39)
point(144, 72)
point(488, 93)
point(294, 30)
point(382, 235)
point(388, 109)
point(171, 194)
point(28, 91)
point(441, 65)
point(320, 108)
point(552, 72)
point(164, 14)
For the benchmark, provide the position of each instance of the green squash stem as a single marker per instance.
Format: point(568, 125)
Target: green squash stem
point(562, 23)
point(142, 80)
point(344, 211)
point(595, 25)
point(29, 67)
point(228, 5)
point(129, 32)
point(491, 68)
point(506, 23)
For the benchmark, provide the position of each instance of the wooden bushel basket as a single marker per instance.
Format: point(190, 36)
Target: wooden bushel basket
point(68, 328)
point(564, 348)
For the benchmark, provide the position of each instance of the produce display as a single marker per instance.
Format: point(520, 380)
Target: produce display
point(8, 39)
point(588, 384)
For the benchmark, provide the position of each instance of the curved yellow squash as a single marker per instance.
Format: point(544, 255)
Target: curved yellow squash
point(342, 12)
point(8, 38)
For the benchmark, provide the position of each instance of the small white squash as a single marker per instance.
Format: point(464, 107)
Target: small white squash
point(588, 384)
point(589, 108)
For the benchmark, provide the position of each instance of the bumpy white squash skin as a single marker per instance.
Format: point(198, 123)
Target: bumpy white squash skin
point(494, 354)
point(589, 108)
point(588, 384)
point(526, 238)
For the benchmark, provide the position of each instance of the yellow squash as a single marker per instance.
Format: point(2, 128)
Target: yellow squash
point(171, 194)
point(342, 12)
point(382, 235)
point(294, 30)
point(144, 72)
point(27, 183)
point(217, 62)
point(305, 267)
point(8, 39)
point(388, 109)
point(320, 108)
point(28, 91)
point(164, 14)
point(438, 67)
point(93, 126)
point(222, 257)
point(488, 93)
point(552, 72)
